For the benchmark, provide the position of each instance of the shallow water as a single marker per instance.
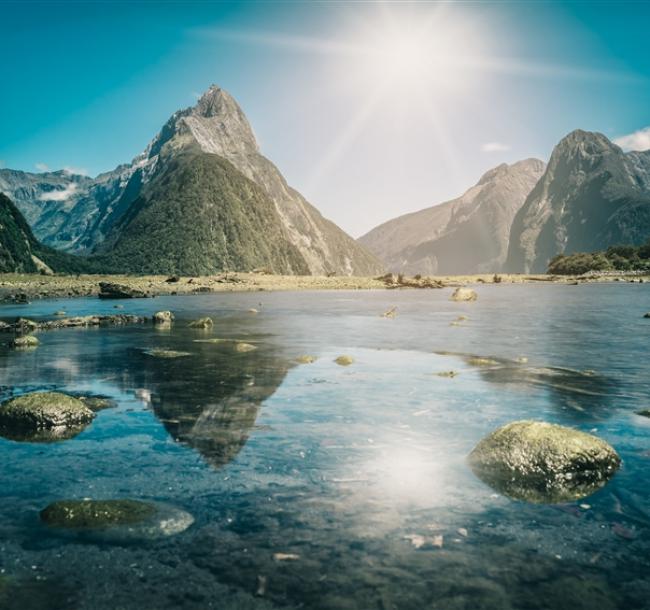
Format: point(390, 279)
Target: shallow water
point(348, 470)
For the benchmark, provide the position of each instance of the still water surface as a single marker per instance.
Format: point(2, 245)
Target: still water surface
point(356, 475)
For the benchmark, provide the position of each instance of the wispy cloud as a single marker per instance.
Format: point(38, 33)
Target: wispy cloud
point(61, 195)
point(78, 171)
point(637, 140)
point(42, 167)
point(491, 147)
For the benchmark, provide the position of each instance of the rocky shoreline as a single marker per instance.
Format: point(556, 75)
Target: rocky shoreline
point(19, 288)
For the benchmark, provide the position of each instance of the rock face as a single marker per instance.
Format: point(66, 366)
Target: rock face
point(212, 139)
point(543, 463)
point(20, 251)
point(43, 416)
point(466, 235)
point(591, 196)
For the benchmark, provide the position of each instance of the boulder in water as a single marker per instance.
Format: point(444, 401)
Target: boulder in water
point(202, 323)
point(25, 342)
point(306, 359)
point(464, 294)
point(543, 463)
point(43, 417)
point(163, 317)
point(344, 360)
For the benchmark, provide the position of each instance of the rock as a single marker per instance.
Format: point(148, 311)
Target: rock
point(43, 416)
point(202, 323)
point(59, 313)
point(165, 353)
point(5, 326)
point(96, 402)
point(118, 306)
point(23, 325)
point(450, 374)
point(95, 513)
point(163, 317)
point(26, 342)
point(344, 360)
point(242, 346)
point(108, 290)
point(647, 315)
point(464, 294)
point(119, 520)
point(543, 463)
point(306, 359)
point(173, 279)
point(391, 313)
point(644, 413)
point(21, 299)
point(285, 557)
point(253, 310)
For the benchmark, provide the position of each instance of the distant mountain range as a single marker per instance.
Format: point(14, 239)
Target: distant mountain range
point(466, 235)
point(201, 198)
point(592, 195)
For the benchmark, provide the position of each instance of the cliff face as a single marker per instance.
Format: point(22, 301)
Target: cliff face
point(591, 196)
point(469, 234)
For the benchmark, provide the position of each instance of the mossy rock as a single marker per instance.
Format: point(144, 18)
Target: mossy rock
point(306, 359)
point(96, 513)
point(344, 360)
point(96, 402)
point(543, 463)
point(25, 342)
point(242, 346)
point(202, 323)
point(163, 317)
point(43, 417)
point(464, 294)
point(165, 353)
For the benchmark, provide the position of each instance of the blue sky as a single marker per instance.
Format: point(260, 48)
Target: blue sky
point(362, 135)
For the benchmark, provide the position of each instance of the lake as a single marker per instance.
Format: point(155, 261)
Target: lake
point(323, 486)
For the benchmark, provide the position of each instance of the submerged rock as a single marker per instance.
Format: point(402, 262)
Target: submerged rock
point(117, 520)
point(202, 323)
point(163, 317)
point(43, 417)
point(108, 290)
point(344, 360)
point(26, 342)
point(464, 294)
point(242, 346)
point(543, 463)
point(165, 353)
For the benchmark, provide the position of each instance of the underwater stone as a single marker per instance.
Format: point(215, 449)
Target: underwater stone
point(464, 294)
point(242, 346)
point(543, 463)
point(96, 513)
point(43, 416)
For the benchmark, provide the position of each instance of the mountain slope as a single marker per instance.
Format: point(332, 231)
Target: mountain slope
point(20, 251)
point(199, 215)
point(592, 195)
point(216, 125)
point(466, 235)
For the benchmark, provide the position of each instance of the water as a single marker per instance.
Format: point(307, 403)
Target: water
point(345, 469)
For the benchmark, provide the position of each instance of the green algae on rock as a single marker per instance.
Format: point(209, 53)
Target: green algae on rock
point(25, 342)
point(344, 360)
point(541, 462)
point(96, 513)
point(43, 417)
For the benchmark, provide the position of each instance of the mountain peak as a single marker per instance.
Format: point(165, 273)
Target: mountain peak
point(216, 102)
point(589, 142)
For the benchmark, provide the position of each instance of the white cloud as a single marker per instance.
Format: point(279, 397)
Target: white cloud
point(638, 140)
point(62, 195)
point(490, 147)
point(79, 171)
point(42, 167)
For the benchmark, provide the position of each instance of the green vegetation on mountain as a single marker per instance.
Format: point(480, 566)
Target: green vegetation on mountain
point(198, 216)
point(21, 252)
point(615, 258)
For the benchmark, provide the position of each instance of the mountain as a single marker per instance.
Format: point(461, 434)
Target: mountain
point(591, 196)
point(466, 235)
point(20, 251)
point(198, 215)
point(216, 125)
